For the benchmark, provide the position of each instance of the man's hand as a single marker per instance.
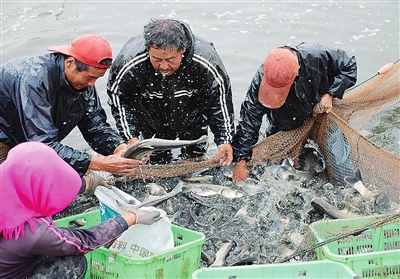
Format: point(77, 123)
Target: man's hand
point(93, 180)
point(132, 141)
point(225, 154)
point(240, 172)
point(121, 149)
point(146, 216)
point(116, 164)
point(326, 102)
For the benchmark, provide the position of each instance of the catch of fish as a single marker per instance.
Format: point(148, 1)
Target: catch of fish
point(262, 219)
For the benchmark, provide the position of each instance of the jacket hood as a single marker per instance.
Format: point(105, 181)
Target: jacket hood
point(190, 40)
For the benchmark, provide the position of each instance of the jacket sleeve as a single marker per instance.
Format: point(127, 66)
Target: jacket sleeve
point(339, 70)
point(55, 241)
point(99, 134)
point(344, 72)
point(251, 116)
point(38, 124)
point(218, 105)
point(121, 90)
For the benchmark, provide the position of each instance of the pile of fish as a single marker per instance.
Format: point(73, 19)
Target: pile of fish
point(263, 219)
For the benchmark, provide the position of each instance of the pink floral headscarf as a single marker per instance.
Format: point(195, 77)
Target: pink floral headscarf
point(34, 182)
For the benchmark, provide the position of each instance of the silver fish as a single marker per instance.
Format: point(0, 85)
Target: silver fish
point(286, 171)
point(250, 189)
point(356, 182)
point(224, 191)
point(311, 159)
point(240, 213)
point(324, 207)
point(157, 190)
point(196, 179)
point(311, 163)
point(146, 146)
point(221, 254)
point(203, 192)
point(157, 200)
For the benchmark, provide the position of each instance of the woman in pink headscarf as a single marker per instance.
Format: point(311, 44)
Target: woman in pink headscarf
point(35, 184)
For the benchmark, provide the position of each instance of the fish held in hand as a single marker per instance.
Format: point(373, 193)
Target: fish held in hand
point(146, 146)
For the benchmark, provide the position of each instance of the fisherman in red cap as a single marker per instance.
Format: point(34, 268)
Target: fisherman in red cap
point(44, 97)
point(285, 89)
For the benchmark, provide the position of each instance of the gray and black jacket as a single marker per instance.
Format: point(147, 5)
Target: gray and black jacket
point(196, 96)
point(322, 70)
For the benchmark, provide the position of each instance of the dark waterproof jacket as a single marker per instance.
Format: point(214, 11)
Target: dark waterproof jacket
point(322, 70)
point(195, 96)
point(38, 104)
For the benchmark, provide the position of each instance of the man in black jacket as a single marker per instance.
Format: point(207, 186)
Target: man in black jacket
point(170, 84)
point(291, 81)
point(44, 97)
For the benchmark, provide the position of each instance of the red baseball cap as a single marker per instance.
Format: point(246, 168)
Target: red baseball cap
point(88, 48)
point(280, 68)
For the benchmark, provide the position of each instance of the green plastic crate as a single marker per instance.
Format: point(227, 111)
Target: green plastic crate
point(375, 253)
point(314, 269)
point(178, 262)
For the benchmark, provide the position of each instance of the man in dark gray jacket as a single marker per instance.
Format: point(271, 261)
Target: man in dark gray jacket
point(44, 97)
point(172, 84)
point(291, 81)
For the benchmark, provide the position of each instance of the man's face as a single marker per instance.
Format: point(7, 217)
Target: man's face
point(84, 79)
point(165, 61)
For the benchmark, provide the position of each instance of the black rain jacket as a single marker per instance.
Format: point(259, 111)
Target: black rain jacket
point(195, 96)
point(322, 70)
point(38, 104)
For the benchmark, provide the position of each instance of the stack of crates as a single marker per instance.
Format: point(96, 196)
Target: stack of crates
point(178, 262)
point(372, 254)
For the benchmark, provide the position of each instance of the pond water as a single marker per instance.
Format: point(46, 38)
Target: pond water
point(242, 31)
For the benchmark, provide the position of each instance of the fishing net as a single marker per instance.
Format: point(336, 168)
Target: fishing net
point(345, 149)
point(3, 152)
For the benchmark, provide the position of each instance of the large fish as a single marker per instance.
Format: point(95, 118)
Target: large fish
point(146, 146)
point(380, 200)
point(311, 163)
point(324, 207)
point(203, 189)
point(157, 200)
point(221, 255)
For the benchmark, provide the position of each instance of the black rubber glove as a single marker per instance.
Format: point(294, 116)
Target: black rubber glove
point(95, 181)
point(146, 217)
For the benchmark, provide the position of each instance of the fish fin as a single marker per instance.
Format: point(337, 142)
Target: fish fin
point(357, 175)
point(351, 180)
point(140, 137)
point(286, 163)
point(187, 189)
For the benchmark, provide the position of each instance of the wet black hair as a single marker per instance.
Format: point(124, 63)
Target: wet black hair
point(165, 34)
